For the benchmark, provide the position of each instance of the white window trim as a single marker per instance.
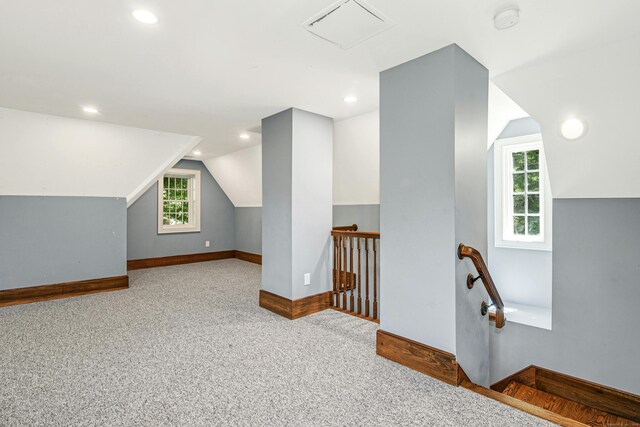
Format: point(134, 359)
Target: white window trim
point(502, 181)
point(194, 199)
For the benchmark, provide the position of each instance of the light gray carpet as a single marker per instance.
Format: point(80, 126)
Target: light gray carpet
point(188, 345)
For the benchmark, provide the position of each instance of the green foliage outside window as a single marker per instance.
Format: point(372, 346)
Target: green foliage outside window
point(175, 196)
point(526, 193)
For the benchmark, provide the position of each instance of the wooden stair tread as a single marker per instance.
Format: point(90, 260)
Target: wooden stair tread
point(522, 406)
point(565, 407)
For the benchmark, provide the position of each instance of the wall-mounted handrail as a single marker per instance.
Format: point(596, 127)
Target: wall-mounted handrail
point(353, 227)
point(476, 257)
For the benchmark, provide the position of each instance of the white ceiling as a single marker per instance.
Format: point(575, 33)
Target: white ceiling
point(600, 87)
point(214, 69)
point(45, 155)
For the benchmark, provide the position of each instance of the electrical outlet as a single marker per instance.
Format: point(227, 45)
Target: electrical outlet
point(207, 244)
point(307, 279)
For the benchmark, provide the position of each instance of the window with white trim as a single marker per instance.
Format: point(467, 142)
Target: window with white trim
point(522, 193)
point(524, 207)
point(179, 201)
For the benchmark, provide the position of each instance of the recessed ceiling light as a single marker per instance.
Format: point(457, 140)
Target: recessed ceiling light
point(350, 99)
point(145, 16)
point(197, 153)
point(244, 135)
point(506, 19)
point(572, 128)
point(90, 110)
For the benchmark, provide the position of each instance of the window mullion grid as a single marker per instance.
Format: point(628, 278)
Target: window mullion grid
point(191, 197)
point(526, 194)
point(515, 193)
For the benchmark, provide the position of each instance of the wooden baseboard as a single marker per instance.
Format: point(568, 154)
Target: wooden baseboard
point(597, 396)
point(419, 357)
point(294, 309)
point(249, 257)
point(526, 376)
point(62, 290)
point(136, 264)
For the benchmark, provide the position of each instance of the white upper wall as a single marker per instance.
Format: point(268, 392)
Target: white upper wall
point(502, 110)
point(601, 87)
point(356, 166)
point(356, 160)
point(240, 175)
point(45, 155)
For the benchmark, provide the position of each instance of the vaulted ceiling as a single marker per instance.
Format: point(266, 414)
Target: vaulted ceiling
point(214, 69)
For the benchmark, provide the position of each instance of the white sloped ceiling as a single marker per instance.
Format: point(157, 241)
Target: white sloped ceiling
point(44, 155)
point(599, 86)
point(240, 175)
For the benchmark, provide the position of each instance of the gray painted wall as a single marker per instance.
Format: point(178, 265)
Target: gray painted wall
point(48, 240)
point(297, 151)
point(417, 200)
point(433, 118)
point(277, 131)
point(522, 276)
point(471, 122)
point(596, 291)
point(312, 202)
point(249, 223)
point(217, 223)
point(249, 229)
point(366, 216)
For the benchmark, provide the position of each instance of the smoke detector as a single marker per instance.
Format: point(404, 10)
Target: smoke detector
point(348, 23)
point(506, 19)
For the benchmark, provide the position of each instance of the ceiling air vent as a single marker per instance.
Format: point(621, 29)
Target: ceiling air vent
point(348, 23)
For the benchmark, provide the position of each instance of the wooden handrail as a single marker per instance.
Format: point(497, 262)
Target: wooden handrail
point(353, 227)
point(363, 234)
point(476, 257)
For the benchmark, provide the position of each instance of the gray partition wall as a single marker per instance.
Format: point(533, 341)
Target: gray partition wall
point(50, 240)
point(249, 229)
point(433, 130)
point(367, 217)
point(297, 168)
point(249, 223)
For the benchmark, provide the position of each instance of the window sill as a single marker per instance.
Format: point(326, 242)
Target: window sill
point(179, 230)
point(527, 246)
point(538, 317)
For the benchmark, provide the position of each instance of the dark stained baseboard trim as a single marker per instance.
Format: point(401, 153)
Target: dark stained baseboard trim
point(294, 309)
point(62, 290)
point(526, 376)
point(312, 304)
point(136, 264)
point(419, 357)
point(275, 303)
point(165, 261)
point(249, 257)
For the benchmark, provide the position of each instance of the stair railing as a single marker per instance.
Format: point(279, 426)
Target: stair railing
point(353, 227)
point(355, 272)
point(484, 275)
